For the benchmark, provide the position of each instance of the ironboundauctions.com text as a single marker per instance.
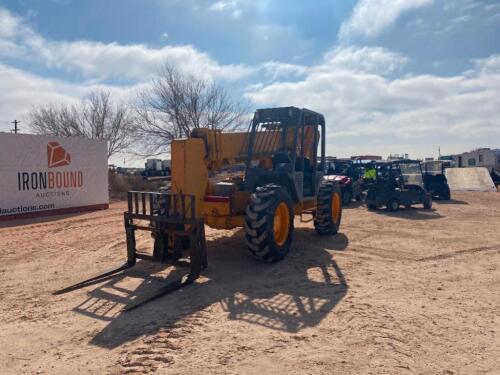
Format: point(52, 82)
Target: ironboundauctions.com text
point(24, 209)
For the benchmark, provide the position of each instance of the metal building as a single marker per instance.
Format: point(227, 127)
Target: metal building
point(481, 157)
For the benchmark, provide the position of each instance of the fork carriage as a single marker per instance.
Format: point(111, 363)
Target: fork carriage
point(172, 223)
point(179, 238)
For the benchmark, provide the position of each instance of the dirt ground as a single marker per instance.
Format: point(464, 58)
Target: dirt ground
point(413, 292)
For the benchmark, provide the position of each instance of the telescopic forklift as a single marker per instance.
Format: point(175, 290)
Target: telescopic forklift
point(281, 178)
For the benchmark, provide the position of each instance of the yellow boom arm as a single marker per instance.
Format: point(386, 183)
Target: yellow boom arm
point(195, 158)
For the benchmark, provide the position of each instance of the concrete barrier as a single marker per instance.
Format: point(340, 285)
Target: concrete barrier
point(469, 179)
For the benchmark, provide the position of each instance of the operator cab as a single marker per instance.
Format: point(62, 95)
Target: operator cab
point(282, 147)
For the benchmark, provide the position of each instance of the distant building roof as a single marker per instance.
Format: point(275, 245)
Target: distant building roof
point(495, 150)
point(366, 157)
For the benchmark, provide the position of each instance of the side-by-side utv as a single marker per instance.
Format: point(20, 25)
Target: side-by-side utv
point(435, 181)
point(398, 182)
point(348, 175)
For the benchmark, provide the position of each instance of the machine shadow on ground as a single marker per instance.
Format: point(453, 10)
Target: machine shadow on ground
point(288, 296)
point(413, 213)
point(451, 201)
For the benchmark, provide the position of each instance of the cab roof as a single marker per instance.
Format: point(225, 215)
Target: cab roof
point(288, 116)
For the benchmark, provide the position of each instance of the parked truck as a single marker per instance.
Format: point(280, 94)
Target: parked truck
point(156, 167)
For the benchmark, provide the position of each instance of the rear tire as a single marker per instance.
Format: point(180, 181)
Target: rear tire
point(446, 196)
point(328, 208)
point(427, 202)
point(392, 205)
point(269, 223)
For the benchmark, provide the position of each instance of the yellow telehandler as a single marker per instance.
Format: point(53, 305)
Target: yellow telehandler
point(258, 180)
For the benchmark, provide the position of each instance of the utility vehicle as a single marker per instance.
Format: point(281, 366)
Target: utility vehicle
point(435, 181)
point(398, 182)
point(349, 175)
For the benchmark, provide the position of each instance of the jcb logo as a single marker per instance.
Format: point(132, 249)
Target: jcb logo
point(57, 156)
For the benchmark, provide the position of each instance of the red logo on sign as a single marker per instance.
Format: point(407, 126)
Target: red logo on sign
point(57, 156)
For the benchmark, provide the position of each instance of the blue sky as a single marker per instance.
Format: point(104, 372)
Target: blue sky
point(390, 75)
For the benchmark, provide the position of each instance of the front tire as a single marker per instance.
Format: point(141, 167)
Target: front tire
point(269, 223)
point(328, 208)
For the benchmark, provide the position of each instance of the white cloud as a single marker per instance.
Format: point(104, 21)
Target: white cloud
point(97, 61)
point(275, 70)
point(20, 91)
point(12, 31)
point(228, 6)
point(368, 108)
point(104, 61)
point(133, 62)
point(365, 59)
point(367, 112)
point(8, 24)
point(93, 64)
point(489, 65)
point(370, 17)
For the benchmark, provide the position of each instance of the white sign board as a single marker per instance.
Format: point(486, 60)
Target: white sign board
point(40, 174)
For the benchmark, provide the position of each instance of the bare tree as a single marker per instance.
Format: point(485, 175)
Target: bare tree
point(175, 103)
point(95, 117)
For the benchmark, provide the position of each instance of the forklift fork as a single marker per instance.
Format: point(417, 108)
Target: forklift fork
point(176, 230)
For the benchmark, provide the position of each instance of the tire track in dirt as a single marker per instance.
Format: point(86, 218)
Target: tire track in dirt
point(28, 225)
point(460, 252)
point(159, 350)
point(388, 254)
point(387, 338)
point(16, 233)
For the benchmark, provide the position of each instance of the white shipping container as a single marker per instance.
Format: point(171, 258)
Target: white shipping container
point(43, 175)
